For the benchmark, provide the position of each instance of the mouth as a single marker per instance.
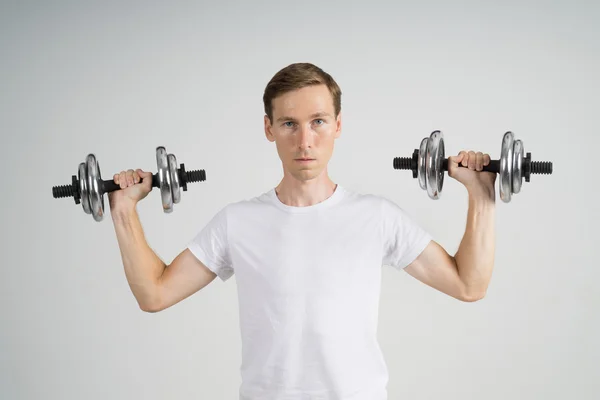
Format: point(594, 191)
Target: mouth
point(305, 159)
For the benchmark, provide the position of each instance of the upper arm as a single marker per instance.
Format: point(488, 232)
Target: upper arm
point(206, 257)
point(437, 269)
point(183, 277)
point(409, 247)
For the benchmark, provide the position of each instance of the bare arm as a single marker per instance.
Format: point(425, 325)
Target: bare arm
point(466, 275)
point(475, 256)
point(154, 284)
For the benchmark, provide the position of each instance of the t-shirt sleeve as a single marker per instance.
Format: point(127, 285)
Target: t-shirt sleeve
point(403, 238)
point(211, 246)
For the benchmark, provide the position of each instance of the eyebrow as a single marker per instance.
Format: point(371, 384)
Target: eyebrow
point(315, 115)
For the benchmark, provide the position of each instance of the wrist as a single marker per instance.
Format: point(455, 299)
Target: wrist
point(481, 196)
point(123, 211)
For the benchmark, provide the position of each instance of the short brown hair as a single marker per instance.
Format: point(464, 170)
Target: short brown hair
point(296, 76)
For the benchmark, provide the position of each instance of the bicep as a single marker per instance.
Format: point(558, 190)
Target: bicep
point(183, 277)
point(437, 269)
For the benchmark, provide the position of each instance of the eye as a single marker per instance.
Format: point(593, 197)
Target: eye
point(320, 120)
point(288, 124)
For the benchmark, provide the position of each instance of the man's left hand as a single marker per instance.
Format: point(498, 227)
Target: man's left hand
point(477, 182)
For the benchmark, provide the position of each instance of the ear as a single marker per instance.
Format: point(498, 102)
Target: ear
point(268, 127)
point(338, 125)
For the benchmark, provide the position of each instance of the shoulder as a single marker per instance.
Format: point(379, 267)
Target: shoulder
point(390, 211)
point(380, 202)
point(355, 196)
point(244, 206)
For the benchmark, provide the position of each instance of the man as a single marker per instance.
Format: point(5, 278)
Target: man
point(308, 253)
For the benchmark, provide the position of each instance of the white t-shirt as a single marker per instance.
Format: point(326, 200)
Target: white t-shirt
point(308, 281)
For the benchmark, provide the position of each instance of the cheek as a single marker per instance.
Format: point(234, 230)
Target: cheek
point(327, 139)
point(282, 149)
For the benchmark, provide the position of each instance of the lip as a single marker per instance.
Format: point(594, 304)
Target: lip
point(305, 159)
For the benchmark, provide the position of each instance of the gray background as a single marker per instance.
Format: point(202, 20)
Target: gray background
point(120, 79)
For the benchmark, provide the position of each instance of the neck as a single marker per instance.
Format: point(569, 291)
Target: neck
point(305, 193)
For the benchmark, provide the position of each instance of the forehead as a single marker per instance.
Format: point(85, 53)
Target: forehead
point(308, 100)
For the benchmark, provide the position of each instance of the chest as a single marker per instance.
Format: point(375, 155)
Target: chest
point(304, 255)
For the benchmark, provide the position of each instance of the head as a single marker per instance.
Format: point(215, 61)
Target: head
point(303, 117)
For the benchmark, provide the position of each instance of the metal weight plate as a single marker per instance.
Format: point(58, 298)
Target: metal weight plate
point(164, 179)
point(175, 186)
point(94, 180)
point(421, 173)
point(83, 188)
point(517, 171)
point(506, 166)
point(433, 167)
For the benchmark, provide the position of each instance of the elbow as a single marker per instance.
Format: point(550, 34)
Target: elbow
point(472, 297)
point(472, 292)
point(151, 305)
point(150, 308)
point(150, 300)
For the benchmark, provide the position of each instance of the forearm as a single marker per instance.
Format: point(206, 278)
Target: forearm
point(143, 267)
point(475, 255)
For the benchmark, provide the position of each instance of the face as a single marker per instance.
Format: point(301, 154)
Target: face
point(304, 126)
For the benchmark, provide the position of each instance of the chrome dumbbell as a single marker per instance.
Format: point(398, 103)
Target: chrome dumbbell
point(428, 164)
point(88, 188)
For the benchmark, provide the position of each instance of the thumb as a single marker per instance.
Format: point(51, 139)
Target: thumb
point(454, 163)
point(145, 175)
point(458, 158)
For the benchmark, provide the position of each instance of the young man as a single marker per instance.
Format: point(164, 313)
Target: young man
point(308, 254)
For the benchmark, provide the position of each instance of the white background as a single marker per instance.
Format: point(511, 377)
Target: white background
point(120, 79)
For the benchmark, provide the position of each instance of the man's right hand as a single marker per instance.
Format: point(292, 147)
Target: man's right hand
point(135, 185)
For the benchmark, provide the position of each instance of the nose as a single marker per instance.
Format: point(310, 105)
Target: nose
point(305, 137)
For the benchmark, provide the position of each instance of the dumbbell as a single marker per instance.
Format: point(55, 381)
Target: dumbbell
point(428, 165)
point(88, 188)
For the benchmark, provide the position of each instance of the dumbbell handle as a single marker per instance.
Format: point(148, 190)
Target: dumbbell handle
point(493, 166)
point(184, 177)
point(110, 185)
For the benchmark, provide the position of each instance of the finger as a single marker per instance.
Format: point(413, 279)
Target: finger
point(136, 177)
point(454, 162)
point(472, 160)
point(122, 180)
point(129, 177)
point(144, 174)
point(479, 161)
point(116, 178)
point(486, 159)
point(460, 157)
